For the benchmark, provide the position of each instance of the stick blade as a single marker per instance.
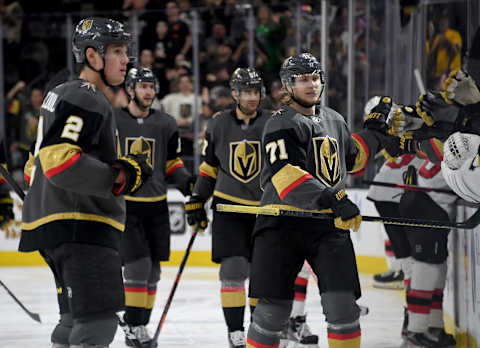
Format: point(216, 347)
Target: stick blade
point(35, 316)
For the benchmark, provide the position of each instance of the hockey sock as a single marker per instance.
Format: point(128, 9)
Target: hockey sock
point(436, 309)
point(253, 303)
point(233, 304)
point(136, 297)
point(419, 296)
point(407, 265)
point(390, 255)
point(344, 335)
point(152, 292)
point(258, 337)
point(301, 283)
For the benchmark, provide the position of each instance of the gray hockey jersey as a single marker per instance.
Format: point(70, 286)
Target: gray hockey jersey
point(232, 159)
point(70, 174)
point(161, 144)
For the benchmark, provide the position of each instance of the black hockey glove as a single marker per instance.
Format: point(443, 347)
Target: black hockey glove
point(188, 186)
point(432, 108)
point(347, 215)
point(397, 146)
point(196, 215)
point(6, 210)
point(377, 118)
point(137, 171)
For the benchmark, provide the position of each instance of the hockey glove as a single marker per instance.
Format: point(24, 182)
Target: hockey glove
point(196, 215)
point(460, 88)
point(397, 146)
point(136, 170)
point(347, 215)
point(6, 210)
point(432, 108)
point(460, 147)
point(403, 119)
point(377, 118)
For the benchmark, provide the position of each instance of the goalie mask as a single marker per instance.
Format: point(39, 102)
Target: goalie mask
point(244, 79)
point(297, 65)
point(98, 33)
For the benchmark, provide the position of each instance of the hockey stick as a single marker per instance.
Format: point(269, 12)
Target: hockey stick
point(34, 316)
point(470, 223)
point(409, 187)
point(11, 182)
point(174, 288)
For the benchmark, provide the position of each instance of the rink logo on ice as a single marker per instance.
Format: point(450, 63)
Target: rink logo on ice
point(327, 164)
point(49, 102)
point(245, 160)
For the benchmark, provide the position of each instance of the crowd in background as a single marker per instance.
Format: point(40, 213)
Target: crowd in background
point(35, 46)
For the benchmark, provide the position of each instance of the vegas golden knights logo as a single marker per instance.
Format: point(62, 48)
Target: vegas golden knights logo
point(327, 163)
point(245, 160)
point(141, 145)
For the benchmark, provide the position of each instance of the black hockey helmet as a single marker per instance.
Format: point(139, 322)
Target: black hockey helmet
point(98, 33)
point(141, 75)
point(243, 78)
point(300, 64)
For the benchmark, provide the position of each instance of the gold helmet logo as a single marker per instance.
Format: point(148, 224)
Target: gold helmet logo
point(87, 24)
point(245, 162)
point(141, 145)
point(326, 160)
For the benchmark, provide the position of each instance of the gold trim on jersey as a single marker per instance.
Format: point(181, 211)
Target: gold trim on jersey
point(362, 156)
point(437, 146)
point(54, 156)
point(291, 207)
point(235, 199)
point(286, 177)
point(72, 216)
point(173, 163)
point(145, 199)
point(208, 169)
point(27, 169)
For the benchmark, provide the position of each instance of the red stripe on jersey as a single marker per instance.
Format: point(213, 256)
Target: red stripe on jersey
point(2, 180)
point(418, 309)
point(64, 166)
point(259, 345)
point(178, 165)
point(233, 289)
point(346, 336)
point(205, 175)
point(294, 184)
point(135, 289)
point(25, 176)
point(301, 281)
point(406, 159)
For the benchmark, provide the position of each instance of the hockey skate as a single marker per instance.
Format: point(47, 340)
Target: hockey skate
point(236, 339)
point(442, 338)
point(142, 335)
point(420, 340)
point(389, 280)
point(297, 334)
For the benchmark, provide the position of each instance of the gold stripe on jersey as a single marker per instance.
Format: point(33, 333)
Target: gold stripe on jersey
point(287, 178)
point(437, 146)
point(291, 207)
point(58, 157)
point(207, 170)
point(235, 199)
point(27, 170)
point(146, 199)
point(72, 216)
point(172, 165)
point(362, 156)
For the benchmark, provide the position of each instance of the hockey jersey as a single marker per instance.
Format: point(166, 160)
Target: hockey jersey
point(303, 155)
point(232, 159)
point(70, 173)
point(156, 136)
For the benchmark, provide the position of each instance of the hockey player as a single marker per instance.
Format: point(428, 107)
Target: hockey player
point(6, 202)
point(146, 240)
point(308, 152)
point(74, 211)
point(230, 170)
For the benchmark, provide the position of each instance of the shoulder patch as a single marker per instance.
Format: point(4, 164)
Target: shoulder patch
point(216, 114)
point(278, 112)
point(89, 86)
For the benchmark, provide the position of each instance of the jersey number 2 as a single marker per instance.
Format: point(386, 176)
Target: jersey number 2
point(72, 128)
point(272, 147)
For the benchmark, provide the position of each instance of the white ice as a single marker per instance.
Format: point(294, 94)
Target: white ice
point(195, 318)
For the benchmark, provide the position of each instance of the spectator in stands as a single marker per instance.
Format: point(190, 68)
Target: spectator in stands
point(219, 70)
point(179, 37)
point(273, 100)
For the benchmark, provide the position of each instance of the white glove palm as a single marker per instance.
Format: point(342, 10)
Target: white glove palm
point(461, 88)
point(402, 119)
point(460, 147)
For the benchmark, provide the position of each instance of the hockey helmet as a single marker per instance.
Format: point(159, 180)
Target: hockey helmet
point(98, 33)
point(300, 64)
point(141, 75)
point(243, 78)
